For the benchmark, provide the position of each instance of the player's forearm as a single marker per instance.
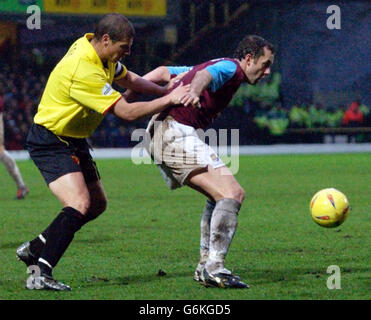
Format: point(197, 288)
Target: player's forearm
point(145, 86)
point(200, 82)
point(136, 110)
point(158, 75)
point(141, 85)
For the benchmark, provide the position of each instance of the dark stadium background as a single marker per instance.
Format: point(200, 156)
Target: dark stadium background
point(146, 246)
point(319, 71)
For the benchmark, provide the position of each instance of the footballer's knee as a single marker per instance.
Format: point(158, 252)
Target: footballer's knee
point(242, 195)
point(98, 206)
point(236, 193)
point(83, 206)
point(99, 200)
point(80, 203)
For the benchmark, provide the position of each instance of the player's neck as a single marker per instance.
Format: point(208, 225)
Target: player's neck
point(98, 49)
point(242, 63)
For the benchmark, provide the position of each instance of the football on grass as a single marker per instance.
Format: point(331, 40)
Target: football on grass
point(329, 207)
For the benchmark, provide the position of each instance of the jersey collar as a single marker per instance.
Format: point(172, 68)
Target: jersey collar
point(92, 53)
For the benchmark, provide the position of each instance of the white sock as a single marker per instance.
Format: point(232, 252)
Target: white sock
point(222, 228)
point(205, 233)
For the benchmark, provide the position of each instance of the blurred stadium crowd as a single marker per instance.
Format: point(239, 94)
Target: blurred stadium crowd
point(21, 87)
point(274, 111)
point(256, 111)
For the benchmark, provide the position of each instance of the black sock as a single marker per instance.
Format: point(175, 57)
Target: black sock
point(59, 235)
point(37, 245)
point(45, 270)
point(88, 217)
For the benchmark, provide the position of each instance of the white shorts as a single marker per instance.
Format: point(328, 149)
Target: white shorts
point(177, 150)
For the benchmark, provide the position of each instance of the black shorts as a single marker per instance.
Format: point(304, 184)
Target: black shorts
point(56, 156)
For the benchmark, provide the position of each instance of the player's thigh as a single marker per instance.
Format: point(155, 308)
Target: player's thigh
point(72, 191)
point(58, 160)
point(53, 156)
point(82, 190)
point(219, 183)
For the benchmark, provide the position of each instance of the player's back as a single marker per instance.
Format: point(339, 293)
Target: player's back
point(73, 87)
point(79, 58)
point(227, 77)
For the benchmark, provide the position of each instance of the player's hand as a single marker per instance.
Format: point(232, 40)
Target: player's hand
point(174, 80)
point(179, 92)
point(129, 95)
point(191, 99)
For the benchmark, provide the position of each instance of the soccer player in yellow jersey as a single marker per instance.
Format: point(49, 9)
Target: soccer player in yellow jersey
point(76, 98)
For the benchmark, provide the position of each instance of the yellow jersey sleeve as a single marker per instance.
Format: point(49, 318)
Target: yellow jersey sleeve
point(89, 87)
point(120, 71)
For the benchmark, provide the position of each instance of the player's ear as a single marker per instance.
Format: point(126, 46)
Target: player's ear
point(105, 39)
point(248, 59)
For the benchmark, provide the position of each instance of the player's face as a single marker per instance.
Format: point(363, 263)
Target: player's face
point(116, 50)
point(255, 70)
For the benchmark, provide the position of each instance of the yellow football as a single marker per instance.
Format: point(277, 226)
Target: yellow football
point(329, 208)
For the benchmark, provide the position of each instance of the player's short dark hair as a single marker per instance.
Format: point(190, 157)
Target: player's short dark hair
point(117, 26)
point(254, 45)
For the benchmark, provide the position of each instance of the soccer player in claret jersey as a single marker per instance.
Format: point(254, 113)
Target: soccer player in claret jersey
point(174, 142)
point(77, 96)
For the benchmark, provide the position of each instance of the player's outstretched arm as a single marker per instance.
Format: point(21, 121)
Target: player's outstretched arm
point(158, 75)
point(136, 110)
point(140, 84)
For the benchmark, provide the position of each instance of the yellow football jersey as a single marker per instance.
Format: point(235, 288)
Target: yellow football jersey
point(79, 92)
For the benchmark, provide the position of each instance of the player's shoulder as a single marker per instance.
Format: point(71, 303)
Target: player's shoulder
point(222, 65)
point(83, 61)
point(80, 49)
point(71, 59)
point(76, 50)
point(224, 61)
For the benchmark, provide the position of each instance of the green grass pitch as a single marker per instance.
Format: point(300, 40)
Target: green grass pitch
point(277, 248)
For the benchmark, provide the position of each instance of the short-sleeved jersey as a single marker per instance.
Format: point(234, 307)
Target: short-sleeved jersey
point(227, 76)
point(78, 92)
